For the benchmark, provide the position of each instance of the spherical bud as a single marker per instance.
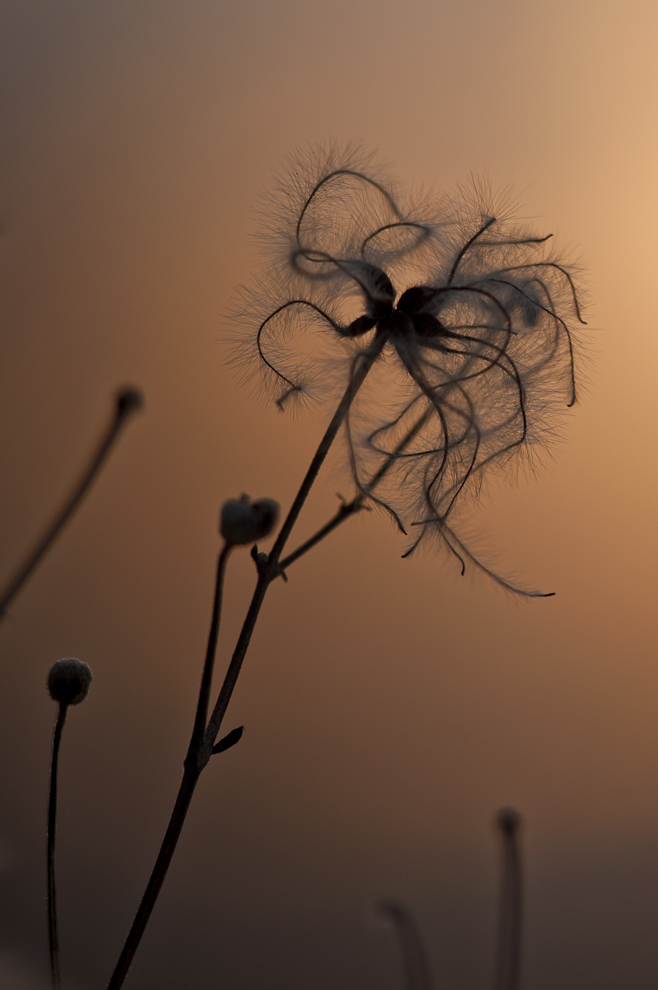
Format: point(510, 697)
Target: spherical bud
point(68, 681)
point(243, 521)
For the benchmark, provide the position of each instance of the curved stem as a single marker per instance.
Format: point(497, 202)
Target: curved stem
point(127, 401)
point(50, 855)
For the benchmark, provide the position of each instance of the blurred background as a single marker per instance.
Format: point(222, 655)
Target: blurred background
point(390, 706)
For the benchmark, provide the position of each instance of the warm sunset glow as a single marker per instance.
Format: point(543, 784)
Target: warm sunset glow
point(390, 706)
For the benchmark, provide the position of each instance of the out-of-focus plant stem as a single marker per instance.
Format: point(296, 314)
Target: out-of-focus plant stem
point(508, 957)
point(127, 401)
point(414, 958)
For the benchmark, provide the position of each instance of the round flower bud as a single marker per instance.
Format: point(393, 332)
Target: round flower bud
point(243, 521)
point(68, 681)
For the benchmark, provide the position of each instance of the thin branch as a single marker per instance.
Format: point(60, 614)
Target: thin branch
point(127, 402)
point(346, 510)
point(50, 855)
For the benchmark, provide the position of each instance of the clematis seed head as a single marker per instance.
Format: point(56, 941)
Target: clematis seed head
point(68, 681)
point(464, 320)
point(243, 521)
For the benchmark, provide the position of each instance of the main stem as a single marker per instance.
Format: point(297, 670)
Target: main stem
point(201, 744)
point(50, 854)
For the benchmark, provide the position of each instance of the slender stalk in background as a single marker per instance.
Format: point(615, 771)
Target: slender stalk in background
point(203, 742)
point(508, 957)
point(68, 684)
point(127, 401)
point(414, 958)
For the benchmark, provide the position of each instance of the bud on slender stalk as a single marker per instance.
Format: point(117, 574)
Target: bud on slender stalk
point(68, 681)
point(68, 684)
point(243, 521)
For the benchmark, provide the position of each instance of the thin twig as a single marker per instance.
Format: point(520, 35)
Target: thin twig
point(346, 510)
point(127, 401)
point(508, 957)
point(50, 855)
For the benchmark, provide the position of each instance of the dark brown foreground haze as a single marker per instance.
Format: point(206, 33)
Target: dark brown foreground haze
point(390, 706)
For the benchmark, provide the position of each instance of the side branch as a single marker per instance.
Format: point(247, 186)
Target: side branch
point(359, 503)
point(346, 510)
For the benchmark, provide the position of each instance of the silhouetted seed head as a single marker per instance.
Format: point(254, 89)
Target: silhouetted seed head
point(463, 317)
point(68, 681)
point(128, 400)
point(243, 521)
point(508, 821)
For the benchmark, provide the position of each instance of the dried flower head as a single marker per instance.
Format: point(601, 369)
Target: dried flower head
point(459, 317)
point(68, 681)
point(243, 521)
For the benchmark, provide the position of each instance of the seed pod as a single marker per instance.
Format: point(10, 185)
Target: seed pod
point(243, 521)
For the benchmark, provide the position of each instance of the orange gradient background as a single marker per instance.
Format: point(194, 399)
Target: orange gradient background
point(390, 706)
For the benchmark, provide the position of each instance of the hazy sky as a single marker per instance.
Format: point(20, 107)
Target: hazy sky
point(390, 706)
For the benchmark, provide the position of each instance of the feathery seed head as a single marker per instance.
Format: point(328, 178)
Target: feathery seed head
point(463, 317)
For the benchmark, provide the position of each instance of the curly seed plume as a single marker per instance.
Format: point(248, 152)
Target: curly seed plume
point(465, 316)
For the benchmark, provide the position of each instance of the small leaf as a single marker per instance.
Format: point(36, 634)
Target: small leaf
point(229, 740)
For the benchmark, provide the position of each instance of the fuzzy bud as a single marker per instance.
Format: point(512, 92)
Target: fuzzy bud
point(68, 681)
point(243, 521)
